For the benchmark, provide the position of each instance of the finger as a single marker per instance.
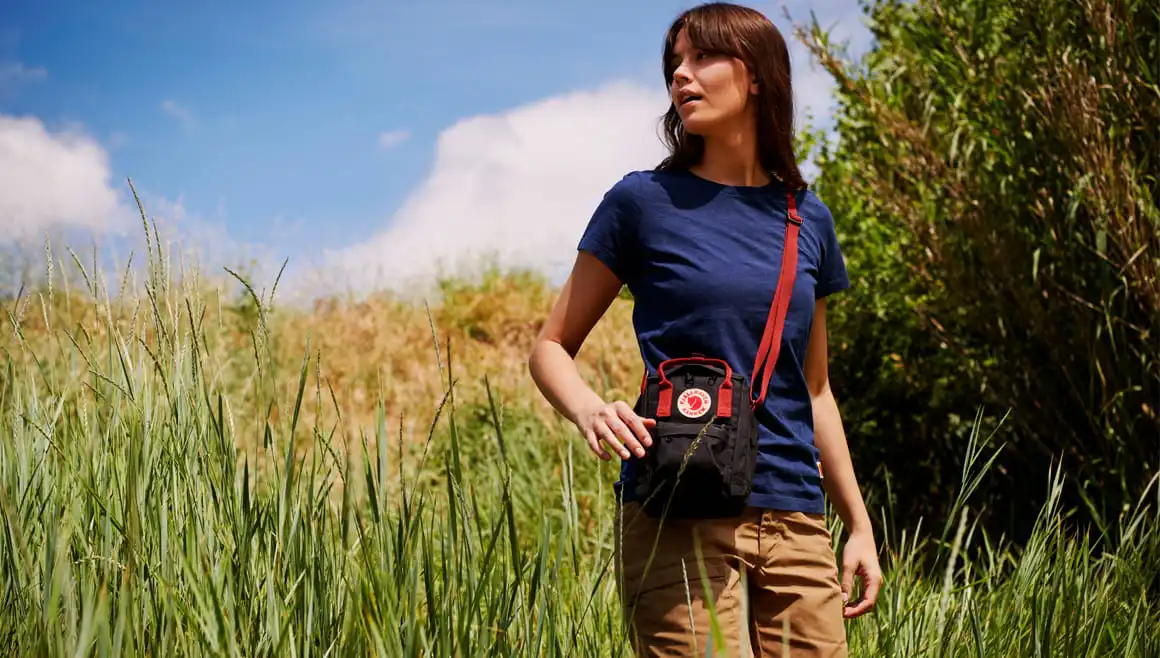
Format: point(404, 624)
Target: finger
point(636, 423)
point(606, 435)
point(625, 435)
point(858, 609)
point(594, 445)
point(868, 599)
point(621, 425)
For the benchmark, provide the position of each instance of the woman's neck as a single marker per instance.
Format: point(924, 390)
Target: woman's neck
point(731, 158)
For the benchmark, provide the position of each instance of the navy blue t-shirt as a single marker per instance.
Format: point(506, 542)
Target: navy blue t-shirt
point(702, 261)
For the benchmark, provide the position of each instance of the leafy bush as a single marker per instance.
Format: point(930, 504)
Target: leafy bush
point(996, 182)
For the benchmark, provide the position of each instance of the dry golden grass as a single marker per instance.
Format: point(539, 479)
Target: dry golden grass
point(360, 351)
point(384, 348)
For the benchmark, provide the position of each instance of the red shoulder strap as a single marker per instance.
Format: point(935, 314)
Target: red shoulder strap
point(771, 340)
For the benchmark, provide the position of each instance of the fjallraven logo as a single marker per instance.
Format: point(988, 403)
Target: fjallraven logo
point(694, 403)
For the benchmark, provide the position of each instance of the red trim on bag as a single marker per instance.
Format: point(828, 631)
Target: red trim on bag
point(724, 391)
point(725, 398)
point(665, 401)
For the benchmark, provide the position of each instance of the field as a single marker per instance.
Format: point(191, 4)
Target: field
point(190, 466)
point(189, 471)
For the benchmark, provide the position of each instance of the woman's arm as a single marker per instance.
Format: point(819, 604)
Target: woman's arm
point(585, 297)
point(841, 485)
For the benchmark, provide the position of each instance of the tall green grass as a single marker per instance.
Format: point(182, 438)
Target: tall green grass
point(132, 524)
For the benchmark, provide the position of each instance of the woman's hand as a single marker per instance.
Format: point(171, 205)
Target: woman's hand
point(616, 425)
point(860, 558)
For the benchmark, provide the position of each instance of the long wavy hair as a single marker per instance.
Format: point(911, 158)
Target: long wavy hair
point(744, 33)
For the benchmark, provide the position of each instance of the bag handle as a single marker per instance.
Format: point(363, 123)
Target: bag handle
point(771, 340)
point(724, 391)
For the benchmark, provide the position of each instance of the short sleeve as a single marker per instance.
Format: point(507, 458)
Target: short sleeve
point(832, 274)
point(611, 234)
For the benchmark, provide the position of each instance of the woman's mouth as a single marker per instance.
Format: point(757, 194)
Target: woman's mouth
point(684, 98)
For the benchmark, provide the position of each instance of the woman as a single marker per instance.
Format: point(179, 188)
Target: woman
point(699, 241)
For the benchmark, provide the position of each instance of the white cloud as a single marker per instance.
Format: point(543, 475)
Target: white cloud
point(178, 112)
point(390, 140)
point(519, 186)
point(52, 180)
point(57, 186)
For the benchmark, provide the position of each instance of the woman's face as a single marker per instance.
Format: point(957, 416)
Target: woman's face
point(710, 91)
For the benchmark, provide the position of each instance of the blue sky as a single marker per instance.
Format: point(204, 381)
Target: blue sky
point(319, 131)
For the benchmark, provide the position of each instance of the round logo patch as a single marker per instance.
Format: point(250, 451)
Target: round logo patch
point(694, 403)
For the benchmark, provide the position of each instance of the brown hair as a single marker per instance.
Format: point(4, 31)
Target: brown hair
point(744, 33)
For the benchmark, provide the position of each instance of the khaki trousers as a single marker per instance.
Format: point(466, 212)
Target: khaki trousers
point(770, 579)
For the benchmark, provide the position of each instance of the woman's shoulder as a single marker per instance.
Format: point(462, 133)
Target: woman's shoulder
point(648, 193)
point(812, 207)
point(638, 184)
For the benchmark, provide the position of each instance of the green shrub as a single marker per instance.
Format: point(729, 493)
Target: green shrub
point(996, 181)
